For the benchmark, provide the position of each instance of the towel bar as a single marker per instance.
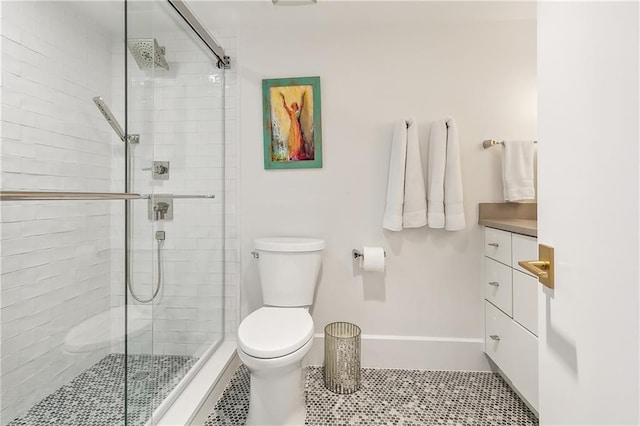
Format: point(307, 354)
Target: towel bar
point(491, 142)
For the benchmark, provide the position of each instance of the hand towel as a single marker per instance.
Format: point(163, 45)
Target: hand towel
point(444, 179)
point(453, 206)
point(517, 170)
point(414, 212)
point(395, 184)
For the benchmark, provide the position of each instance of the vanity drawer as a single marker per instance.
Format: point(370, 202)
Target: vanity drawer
point(497, 343)
point(525, 301)
point(523, 248)
point(514, 350)
point(524, 367)
point(498, 285)
point(497, 245)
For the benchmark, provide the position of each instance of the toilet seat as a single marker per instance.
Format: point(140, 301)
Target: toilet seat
point(272, 332)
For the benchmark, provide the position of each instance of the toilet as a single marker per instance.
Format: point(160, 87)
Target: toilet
point(273, 340)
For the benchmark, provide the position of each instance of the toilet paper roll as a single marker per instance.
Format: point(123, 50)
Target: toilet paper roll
point(373, 259)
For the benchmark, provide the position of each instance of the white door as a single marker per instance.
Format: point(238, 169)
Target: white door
point(588, 157)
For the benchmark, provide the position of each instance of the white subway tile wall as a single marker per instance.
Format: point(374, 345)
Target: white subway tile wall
point(63, 262)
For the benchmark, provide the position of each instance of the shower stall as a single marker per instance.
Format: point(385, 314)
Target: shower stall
point(112, 209)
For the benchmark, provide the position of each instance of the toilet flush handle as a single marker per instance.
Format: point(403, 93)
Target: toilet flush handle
point(255, 255)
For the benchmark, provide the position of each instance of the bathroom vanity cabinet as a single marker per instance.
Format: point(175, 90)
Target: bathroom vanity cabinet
point(511, 310)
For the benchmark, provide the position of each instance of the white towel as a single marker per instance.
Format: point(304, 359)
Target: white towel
point(395, 185)
point(406, 197)
point(444, 180)
point(435, 174)
point(414, 212)
point(453, 206)
point(517, 170)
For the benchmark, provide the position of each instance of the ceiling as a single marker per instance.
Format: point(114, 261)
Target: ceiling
point(147, 16)
point(262, 13)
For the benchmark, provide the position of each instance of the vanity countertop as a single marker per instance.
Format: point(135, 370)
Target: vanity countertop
point(520, 218)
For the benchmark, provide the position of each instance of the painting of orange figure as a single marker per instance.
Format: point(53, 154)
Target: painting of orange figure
point(291, 109)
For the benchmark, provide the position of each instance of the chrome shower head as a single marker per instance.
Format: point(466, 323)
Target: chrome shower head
point(148, 54)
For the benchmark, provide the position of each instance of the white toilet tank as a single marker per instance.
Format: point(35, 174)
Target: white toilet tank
point(288, 269)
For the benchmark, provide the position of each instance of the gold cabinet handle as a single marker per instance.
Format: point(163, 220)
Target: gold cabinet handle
point(543, 267)
point(496, 245)
point(494, 283)
point(495, 337)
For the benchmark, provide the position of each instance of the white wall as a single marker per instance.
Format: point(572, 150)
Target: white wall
point(55, 255)
point(426, 312)
point(589, 93)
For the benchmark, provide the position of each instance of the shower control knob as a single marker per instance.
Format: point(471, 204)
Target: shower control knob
point(160, 170)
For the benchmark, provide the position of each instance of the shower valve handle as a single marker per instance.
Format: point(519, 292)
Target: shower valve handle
point(161, 209)
point(158, 169)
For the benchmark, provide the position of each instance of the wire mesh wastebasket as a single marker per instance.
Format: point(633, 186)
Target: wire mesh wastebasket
point(342, 357)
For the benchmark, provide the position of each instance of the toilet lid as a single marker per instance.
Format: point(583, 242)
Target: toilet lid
point(275, 332)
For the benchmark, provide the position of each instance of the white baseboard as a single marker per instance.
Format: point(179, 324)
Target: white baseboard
point(413, 352)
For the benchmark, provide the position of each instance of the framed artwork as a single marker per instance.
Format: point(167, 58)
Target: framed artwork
point(292, 123)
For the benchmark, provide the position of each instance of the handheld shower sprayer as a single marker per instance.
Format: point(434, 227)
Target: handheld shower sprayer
point(111, 119)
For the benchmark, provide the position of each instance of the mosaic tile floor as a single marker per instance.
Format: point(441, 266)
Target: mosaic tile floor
point(96, 397)
point(394, 397)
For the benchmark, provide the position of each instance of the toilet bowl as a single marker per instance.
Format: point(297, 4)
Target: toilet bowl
point(273, 340)
point(272, 343)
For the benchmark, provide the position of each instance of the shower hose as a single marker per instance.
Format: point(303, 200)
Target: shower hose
point(158, 281)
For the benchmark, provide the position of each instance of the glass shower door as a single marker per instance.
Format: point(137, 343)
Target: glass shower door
point(176, 235)
point(62, 257)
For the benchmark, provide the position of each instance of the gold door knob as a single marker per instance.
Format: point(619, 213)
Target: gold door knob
point(543, 268)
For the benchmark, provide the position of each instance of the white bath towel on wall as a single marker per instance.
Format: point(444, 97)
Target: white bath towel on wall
point(517, 171)
point(406, 195)
point(444, 178)
point(453, 200)
point(395, 184)
point(435, 174)
point(414, 212)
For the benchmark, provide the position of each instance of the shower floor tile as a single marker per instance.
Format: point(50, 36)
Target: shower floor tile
point(96, 397)
point(394, 397)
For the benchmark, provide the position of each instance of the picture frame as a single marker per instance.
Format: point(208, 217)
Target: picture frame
point(292, 123)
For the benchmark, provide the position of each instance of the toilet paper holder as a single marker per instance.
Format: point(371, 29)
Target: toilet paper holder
point(355, 253)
